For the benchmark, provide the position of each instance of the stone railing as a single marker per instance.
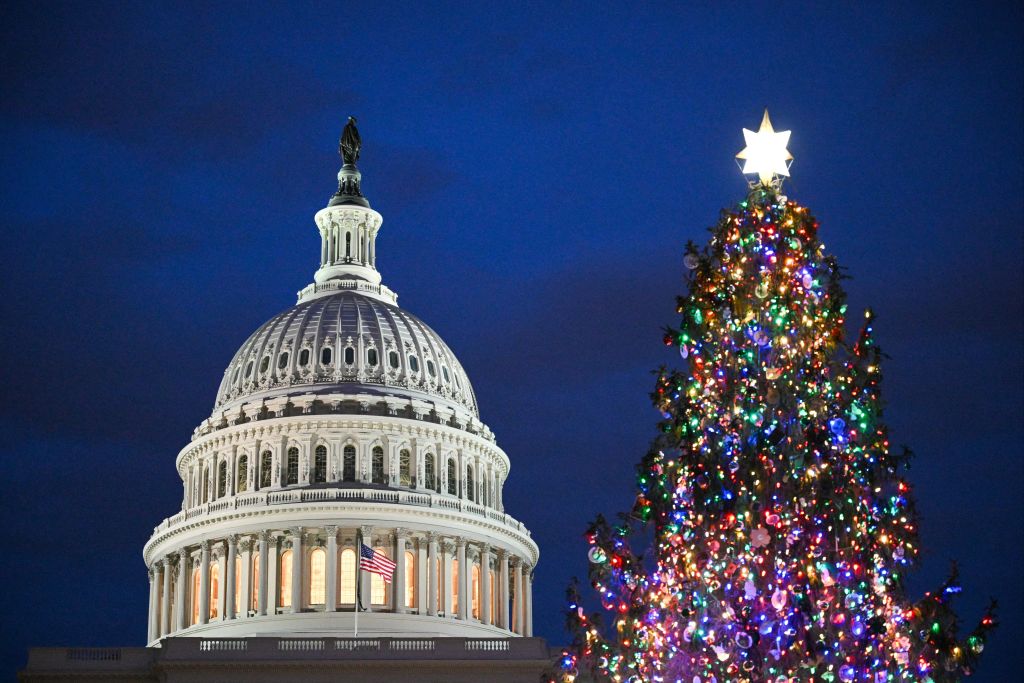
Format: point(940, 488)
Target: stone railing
point(184, 651)
point(245, 501)
point(329, 286)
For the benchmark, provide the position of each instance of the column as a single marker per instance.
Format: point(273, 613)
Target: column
point(366, 538)
point(401, 535)
point(204, 583)
point(264, 566)
point(485, 583)
point(464, 571)
point(528, 602)
point(502, 615)
point(517, 598)
point(179, 597)
point(296, 569)
point(151, 625)
point(421, 575)
point(332, 569)
point(432, 574)
point(220, 557)
point(164, 625)
point(246, 591)
point(446, 578)
point(229, 579)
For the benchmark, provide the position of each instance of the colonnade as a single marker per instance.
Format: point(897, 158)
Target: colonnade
point(316, 570)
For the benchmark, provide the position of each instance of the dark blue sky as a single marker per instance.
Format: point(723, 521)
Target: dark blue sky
point(539, 170)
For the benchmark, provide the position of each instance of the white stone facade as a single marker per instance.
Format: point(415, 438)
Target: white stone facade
point(340, 419)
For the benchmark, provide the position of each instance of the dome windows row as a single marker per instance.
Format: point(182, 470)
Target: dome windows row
point(349, 359)
point(220, 476)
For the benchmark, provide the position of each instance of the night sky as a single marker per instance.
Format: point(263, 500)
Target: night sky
point(539, 171)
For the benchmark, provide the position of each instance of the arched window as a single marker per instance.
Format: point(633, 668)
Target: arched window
point(347, 577)
point(410, 579)
point(393, 359)
point(265, 363)
point(242, 481)
point(414, 364)
point(350, 356)
point(453, 478)
point(444, 372)
point(348, 466)
point(284, 584)
point(196, 584)
point(282, 361)
point(475, 591)
point(317, 576)
point(293, 466)
point(325, 355)
point(371, 358)
point(430, 369)
point(206, 483)
point(455, 586)
point(378, 589)
point(234, 378)
point(404, 467)
point(320, 464)
point(428, 472)
point(238, 584)
point(254, 572)
point(266, 467)
point(469, 482)
point(348, 244)
point(214, 588)
point(248, 368)
point(377, 465)
point(304, 357)
point(222, 478)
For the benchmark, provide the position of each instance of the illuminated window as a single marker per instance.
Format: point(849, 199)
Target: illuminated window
point(475, 591)
point(196, 583)
point(377, 465)
point(455, 586)
point(469, 482)
point(320, 465)
point(243, 474)
point(266, 466)
point(410, 579)
point(378, 589)
point(317, 576)
point(350, 356)
point(285, 581)
point(404, 465)
point(254, 596)
point(348, 469)
point(304, 357)
point(282, 361)
point(453, 479)
point(325, 355)
point(293, 466)
point(214, 588)
point(347, 576)
point(238, 584)
point(428, 472)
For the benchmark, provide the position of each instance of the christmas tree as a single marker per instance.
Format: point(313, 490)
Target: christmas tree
point(773, 530)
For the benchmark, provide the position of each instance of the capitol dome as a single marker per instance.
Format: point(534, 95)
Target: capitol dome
point(342, 425)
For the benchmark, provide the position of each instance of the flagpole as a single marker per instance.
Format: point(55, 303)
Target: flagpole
point(359, 582)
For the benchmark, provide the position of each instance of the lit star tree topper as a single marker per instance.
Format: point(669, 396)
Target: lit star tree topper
point(766, 153)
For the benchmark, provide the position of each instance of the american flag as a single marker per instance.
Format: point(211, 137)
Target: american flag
point(375, 562)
